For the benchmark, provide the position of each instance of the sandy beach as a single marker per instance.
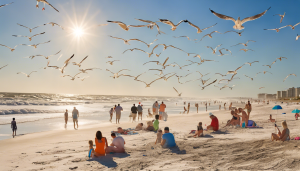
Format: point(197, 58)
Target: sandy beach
point(228, 149)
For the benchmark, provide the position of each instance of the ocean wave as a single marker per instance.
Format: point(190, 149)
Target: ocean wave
point(27, 111)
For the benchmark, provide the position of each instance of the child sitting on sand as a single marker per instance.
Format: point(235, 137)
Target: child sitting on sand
point(139, 127)
point(199, 132)
point(159, 136)
point(91, 151)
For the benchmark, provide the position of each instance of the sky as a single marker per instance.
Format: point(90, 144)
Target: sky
point(97, 45)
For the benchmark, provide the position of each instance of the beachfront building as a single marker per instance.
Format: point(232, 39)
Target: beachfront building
point(261, 95)
point(283, 94)
point(278, 96)
point(297, 92)
point(291, 92)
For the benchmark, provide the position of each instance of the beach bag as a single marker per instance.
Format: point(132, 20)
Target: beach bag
point(297, 138)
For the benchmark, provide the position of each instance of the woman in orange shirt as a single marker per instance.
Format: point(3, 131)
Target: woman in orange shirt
point(101, 144)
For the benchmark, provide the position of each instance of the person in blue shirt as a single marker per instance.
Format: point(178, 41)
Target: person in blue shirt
point(168, 139)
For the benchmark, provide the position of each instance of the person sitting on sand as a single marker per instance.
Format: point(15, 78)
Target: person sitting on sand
point(159, 136)
point(122, 131)
point(101, 144)
point(150, 126)
point(235, 119)
point(156, 123)
point(139, 127)
point(14, 127)
point(296, 116)
point(282, 136)
point(117, 145)
point(91, 147)
point(271, 120)
point(199, 132)
point(214, 123)
point(244, 116)
point(168, 139)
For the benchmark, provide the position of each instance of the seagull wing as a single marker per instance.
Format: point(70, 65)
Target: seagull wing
point(5, 4)
point(116, 38)
point(84, 59)
point(38, 34)
point(3, 66)
point(175, 90)
point(22, 73)
point(139, 41)
point(22, 25)
point(165, 61)
point(155, 80)
point(122, 70)
point(193, 25)
point(50, 5)
point(110, 71)
point(254, 17)
point(122, 25)
point(224, 17)
point(151, 61)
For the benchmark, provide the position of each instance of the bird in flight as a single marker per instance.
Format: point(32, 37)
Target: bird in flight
point(29, 37)
point(82, 79)
point(261, 87)
point(289, 75)
point(276, 29)
point(53, 24)
point(135, 77)
point(221, 54)
point(45, 2)
point(72, 78)
point(124, 26)
point(222, 74)
point(179, 94)
point(161, 71)
point(271, 64)
point(239, 23)
point(231, 87)
point(165, 21)
point(293, 27)
point(5, 5)
point(149, 54)
point(245, 44)
point(89, 69)
point(127, 41)
point(251, 62)
point(79, 64)
point(204, 81)
point(27, 75)
point(35, 45)
point(151, 25)
point(12, 49)
point(148, 85)
point(235, 72)
point(214, 50)
point(112, 62)
point(116, 75)
point(249, 77)
point(198, 29)
point(158, 63)
point(245, 50)
point(208, 84)
point(281, 16)
point(66, 63)
point(209, 35)
point(281, 58)
point(30, 29)
point(3, 66)
point(46, 57)
point(182, 36)
point(297, 37)
point(239, 33)
point(263, 72)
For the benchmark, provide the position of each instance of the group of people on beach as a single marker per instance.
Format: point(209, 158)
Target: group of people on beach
point(75, 116)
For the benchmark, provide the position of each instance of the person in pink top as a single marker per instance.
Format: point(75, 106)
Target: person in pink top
point(161, 110)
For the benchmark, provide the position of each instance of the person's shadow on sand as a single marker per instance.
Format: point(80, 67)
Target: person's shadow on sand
point(219, 132)
point(177, 150)
point(108, 159)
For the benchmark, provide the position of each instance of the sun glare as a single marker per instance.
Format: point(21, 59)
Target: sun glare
point(78, 32)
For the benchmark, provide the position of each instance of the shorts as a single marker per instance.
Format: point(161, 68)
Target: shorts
point(75, 120)
point(140, 113)
point(118, 116)
point(133, 116)
point(248, 110)
point(14, 129)
point(161, 112)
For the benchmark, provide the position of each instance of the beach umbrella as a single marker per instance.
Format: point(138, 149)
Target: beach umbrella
point(296, 111)
point(277, 107)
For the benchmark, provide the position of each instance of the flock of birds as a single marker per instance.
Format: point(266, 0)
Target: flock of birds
point(164, 63)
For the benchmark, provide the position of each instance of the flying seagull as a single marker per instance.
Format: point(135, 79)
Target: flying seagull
point(66, 63)
point(127, 41)
point(238, 23)
point(214, 50)
point(179, 94)
point(245, 50)
point(135, 77)
point(281, 16)
point(281, 58)
point(204, 81)
point(27, 75)
point(12, 49)
point(152, 24)
point(289, 75)
point(271, 64)
point(249, 77)
point(72, 78)
point(263, 72)
point(231, 87)
point(208, 84)
point(222, 74)
point(297, 37)
point(89, 69)
point(5, 5)
point(29, 37)
point(293, 27)
point(198, 29)
point(45, 2)
point(30, 29)
point(53, 24)
point(124, 26)
point(35, 45)
point(112, 62)
point(239, 33)
point(116, 75)
point(165, 21)
point(209, 35)
point(79, 64)
point(245, 44)
point(46, 57)
point(3, 66)
point(82, 79)
point(235, 72)
point(148, 85)
point(251, 62)
point(221, 54)
point(276, 29)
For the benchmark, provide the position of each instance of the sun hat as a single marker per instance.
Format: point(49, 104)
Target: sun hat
point(211, 114)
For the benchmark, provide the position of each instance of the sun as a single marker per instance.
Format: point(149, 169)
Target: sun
point(78, 32)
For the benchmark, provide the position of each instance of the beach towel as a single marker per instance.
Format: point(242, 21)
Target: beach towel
point(129, 131)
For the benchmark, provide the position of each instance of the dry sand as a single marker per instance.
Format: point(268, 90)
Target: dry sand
point(229, 149)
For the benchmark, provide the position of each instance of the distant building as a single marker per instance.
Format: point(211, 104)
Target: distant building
point(278, 96)
point(297, 92)
point(261, 95)
point(283, 94)
point(270, 96)
point(291, 92)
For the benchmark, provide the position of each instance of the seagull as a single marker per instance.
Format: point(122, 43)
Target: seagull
point(191, 80)
point(161, 71)
point(251, 62)
point(166, 78)
point(293, 27)
point(5, 5)
point(135, 77)
point(102, 25)
point(199, 63)
point(124, 26)
point(179, 94)
point(12, 49)
point(224, 87)
point(29, 37)
point(116, 75)
point(289, 75)
point(235, 72)
point(30, 29)
point(198, 29)
point(82, 79)
point(208, 84)
point(3, 66)
point(245, 44)
point(157, 55)
point(46, 57)
point(297, 37)
point(198, 56)
point(165, 21)
point(35, 45)
point(26, 74)
point(47, 65)
point(202, 74)
point(238, 23)
point(66, 63)
point(221, 54)
point(111, 62)
point(149, 54)
point(209, 35)
point(276, 29)
point(239, 33)
point(148, 85)
point(222, 74)
point(158, 63)
point(126, 41)
point(271, 64)
point(263, 72)
point(152, 24)
point(182, 36)
point(53, 24)
point(281, 16)
point(261, 87)
point(249, 77)
point(45, 2)
point(180, 67)
point(89, 69)
point(204, 81)
point(231, 87)
point(245, 50)
point(79, 64)
point(281, 58)
point(72, 78)
point(178, 77)
point(214, 50)
point(228, 80)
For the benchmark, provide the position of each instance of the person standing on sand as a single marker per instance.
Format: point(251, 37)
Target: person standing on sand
point(206, 106)
point(66, 118)
point(118, 110)
point(154, 108)
point(197, 106)
point(249, 109)
point(189, 105)
point(161, 110)
point(75, 115)
point(140, 111)
point(111, 113)
point(14, 127)
point(224, 106)
point(134, 112)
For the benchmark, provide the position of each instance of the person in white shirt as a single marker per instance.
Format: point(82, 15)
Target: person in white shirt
point(117, 145)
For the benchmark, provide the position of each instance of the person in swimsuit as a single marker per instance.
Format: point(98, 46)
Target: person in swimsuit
point(235, 119)
point(249, 108)
point(14, 127)
point(199, 132)
point(101, 144)
point(91, 149)
point(282, 136)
